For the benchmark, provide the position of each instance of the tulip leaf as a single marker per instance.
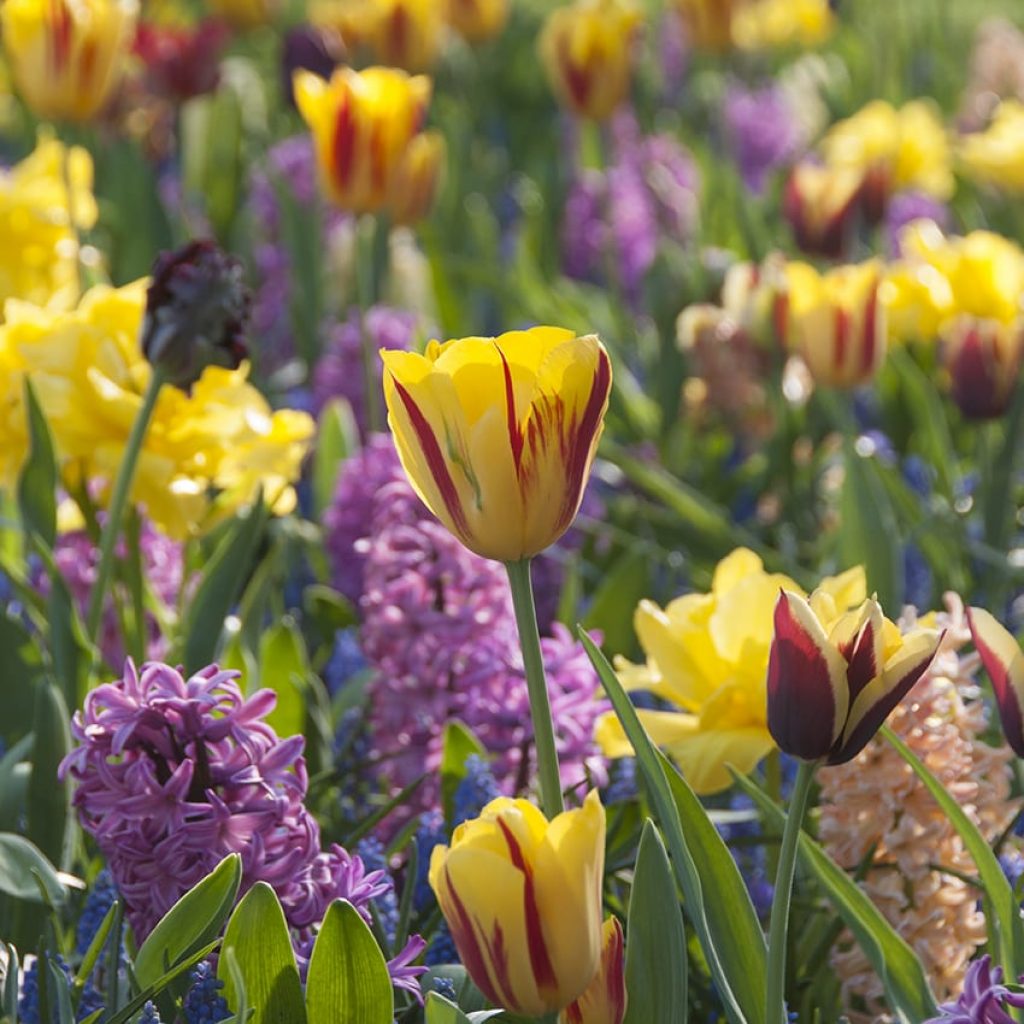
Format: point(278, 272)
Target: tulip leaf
point(656, 968)
point(621, 590)
point(337, 439)
point(50, 824)
point(284, 667)
point(897, 966)
point(458, 745)
point(220, 586)
point(441, 1011)
point(193, 922)
point(348, 981)
point(257, 935)
point(24, 867)
point(1006, 933)
point(716, 897)
point(869, 534)
point(37, 486)
point(9, 986)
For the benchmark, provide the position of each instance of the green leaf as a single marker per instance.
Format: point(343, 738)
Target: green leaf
point(9, 990)
point(15, 773)
point(716, 897)
point(68, 646)
point(441, 1011)
point(37, 486)
point(284, 667)
point(21, 863)
point(458, 744)
point(1006, 934)
point(60, 992)
point(220, 586)
point(656, 969)
point(869, 534)
point(337, 439)
point(898, 968)
point(194, 921)
point(50, 825)
point(623, 587)
point(348, 981)
point(22, 670)
point(257, 934)
point(92, 954)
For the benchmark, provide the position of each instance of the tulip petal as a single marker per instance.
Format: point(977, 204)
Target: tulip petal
point(1003, 660)
point(807, 689)
point(875, 702)
point(604, 1001)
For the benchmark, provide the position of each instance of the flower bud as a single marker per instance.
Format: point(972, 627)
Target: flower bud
point(587, 49)
point(478, 20)
point(604, 1002)
point(1001, 655)
point(196, 310)
point(182, 62)
point(983, 358)
point(821, 205)
point(418, 179)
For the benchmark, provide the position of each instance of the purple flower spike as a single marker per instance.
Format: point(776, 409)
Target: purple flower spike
point(984, 999)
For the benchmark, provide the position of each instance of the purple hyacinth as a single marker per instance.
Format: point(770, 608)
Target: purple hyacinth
point(760, 130)
point(340, 373)
point(173, 774)
point(984, 999)
point(906, 207)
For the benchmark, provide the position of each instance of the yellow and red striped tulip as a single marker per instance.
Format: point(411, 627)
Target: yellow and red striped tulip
point(362, 124)
point(522, 897)
point(834, 676)
point(407, 33)
point(821, 205)
point(1004, 662)
point(605, 1001)
point(587, 49)
point(418, 179)
point(497, 435)
point(983, 358)
point(478, 20)
point(836, 322)
point(66, 58)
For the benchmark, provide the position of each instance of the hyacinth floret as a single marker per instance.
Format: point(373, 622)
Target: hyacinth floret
point(984, 1000)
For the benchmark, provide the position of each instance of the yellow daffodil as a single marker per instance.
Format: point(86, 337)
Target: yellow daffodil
point(707, 654)
point(768, 24)
point(478, 20)
point(604, 1001)
point(418, 179)
point(905, 148)
point(38, 260)
point(497, 435)
point(587, 49)
point(995, 156)
point(362, 124)
point(67, 56)
point(836, 322)
point(522, 898)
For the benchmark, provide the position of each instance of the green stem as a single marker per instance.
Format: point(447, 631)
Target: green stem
point(536, 684)
point(118, 501)
point(371, 268)
point(778, 930)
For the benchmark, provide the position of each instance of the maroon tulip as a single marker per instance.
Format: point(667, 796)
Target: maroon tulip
point(983, 358)
point(182, 62)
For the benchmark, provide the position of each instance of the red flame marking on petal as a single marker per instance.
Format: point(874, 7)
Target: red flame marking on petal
point(515, 433)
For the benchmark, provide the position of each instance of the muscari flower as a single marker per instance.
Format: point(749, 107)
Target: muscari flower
point(28, 999)
point(203, 1003)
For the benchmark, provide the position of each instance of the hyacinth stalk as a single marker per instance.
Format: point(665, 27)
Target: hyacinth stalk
point(778, 929)
point(118, 502)
point(537, 687)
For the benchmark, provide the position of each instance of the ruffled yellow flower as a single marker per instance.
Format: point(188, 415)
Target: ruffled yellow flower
point(587, 49)
point(497, 435)
point(67, 56)
point(768, 24)
point(918, 299)
point(522, 897)
point(893, 149)
point(995, 156)
point(708, 655)
point(38, 259)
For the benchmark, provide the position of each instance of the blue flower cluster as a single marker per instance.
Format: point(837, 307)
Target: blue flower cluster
point(203, 1002)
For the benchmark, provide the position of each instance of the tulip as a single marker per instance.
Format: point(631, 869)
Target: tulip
point(587, 52)
point(66, 58)
point(708, 22)
point(407, 33)
point(522, 897)
point(995, 157)
point(983, 358)
point(755, 295)
point(836, 322)
point(245, 14)
point(1001, 655)
point(418, 179)
point(362, 124)
point(478, 20)
point(182, 62)
point(766, 24)
point(313, 48)
point(821, 205)
point(604, 1001)
point(834, 677)
point(497, 435)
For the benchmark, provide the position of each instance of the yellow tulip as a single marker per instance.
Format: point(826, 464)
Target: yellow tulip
point(67, 56)
point(709, 22)
point(587, 49)
point(362, 124)
point(478, 20)
point(497, 435)
point(995, 156)
point(893, 149)
point(836, 322)
point(407, 33)
point(418, 179)
point(918, 299)
point(707, 654)
point(821, 204)
point(604, 1001)
point(522, 897)
point(766, 24)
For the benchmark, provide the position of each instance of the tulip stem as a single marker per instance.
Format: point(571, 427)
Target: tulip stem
point(118, 501)
point(536, 684)
point(778, 929)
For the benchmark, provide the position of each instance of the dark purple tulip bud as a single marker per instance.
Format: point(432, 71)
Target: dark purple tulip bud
point(309, 48)
point(196, 312)
point(983, 358)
